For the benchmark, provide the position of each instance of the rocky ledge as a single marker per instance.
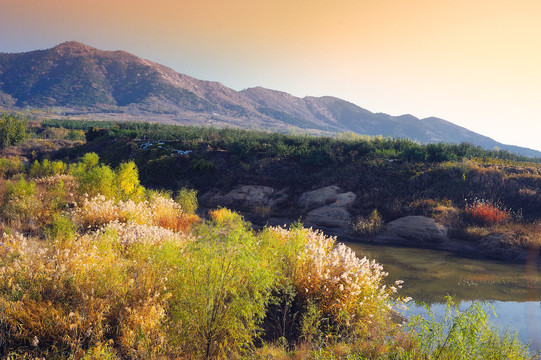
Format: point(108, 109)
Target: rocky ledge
point(329, 209)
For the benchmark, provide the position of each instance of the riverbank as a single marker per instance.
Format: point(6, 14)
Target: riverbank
point(495, 246)
point(480, 229)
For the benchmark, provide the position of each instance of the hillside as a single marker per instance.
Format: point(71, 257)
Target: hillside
point(76, 80)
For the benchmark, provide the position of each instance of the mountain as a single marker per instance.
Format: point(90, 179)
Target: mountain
point(74, 79)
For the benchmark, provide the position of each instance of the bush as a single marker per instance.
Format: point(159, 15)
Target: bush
point(9, 167)
point(72, 300)
point(128, 182)
point(160, 211)
point(347, 292)
point(60, 229)
point(134, 290)
point(93, 178)
point(47, 168)
point(13, 130)
point(221, 289)
point(187, 199)
point(483, 212)
point(368, 225)
point(20, 203)
point(463, 335)
point(98, 179)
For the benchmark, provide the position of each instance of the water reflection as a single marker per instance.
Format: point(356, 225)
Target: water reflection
point(521, 317)
point(513, 290)
point(431, 275)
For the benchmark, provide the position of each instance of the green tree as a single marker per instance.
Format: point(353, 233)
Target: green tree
point(220, 289)
point(13, 129)
point(187, 198)
point(94, 178)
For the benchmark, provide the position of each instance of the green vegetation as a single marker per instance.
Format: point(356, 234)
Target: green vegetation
point(306, 148)
point(187, 199)
point(12, 129)
point(94, 265)
point(464, 335)
point(395, 176)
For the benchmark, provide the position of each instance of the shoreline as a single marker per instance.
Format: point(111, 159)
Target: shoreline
point(458, 247)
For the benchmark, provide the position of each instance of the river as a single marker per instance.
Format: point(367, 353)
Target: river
point(513, 290)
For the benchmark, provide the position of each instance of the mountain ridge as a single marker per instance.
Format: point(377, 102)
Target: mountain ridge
point(83, 80)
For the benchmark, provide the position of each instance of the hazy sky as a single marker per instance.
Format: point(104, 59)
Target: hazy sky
point(475, 63)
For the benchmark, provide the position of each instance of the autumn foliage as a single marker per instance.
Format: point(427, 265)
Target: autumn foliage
point(484, 212)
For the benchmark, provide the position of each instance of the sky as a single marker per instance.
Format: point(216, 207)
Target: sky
point(476, 63)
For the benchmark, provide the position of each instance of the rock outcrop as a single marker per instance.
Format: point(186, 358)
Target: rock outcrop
point(503, 247)
point(245, 197)
point(418, 229)
point(330, 216)
point(327, 207)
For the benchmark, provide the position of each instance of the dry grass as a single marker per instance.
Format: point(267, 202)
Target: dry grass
point(27, 149)
point(159, 211)
point(513, 234)
point(368, 225)
point(347, 290)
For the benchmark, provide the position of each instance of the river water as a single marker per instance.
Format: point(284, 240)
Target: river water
point(513, 290)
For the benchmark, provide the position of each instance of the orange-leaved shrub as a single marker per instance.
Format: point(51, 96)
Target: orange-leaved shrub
point(484, 212)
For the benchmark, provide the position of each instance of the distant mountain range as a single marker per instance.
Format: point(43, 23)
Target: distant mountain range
point(76, 80)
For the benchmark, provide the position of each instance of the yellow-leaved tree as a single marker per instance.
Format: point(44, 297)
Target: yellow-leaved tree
point(128, 182)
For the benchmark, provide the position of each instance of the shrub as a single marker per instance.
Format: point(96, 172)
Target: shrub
point(20, 203)
point(98, 180)
point(345, 290)
point(76, 135)
point(13, 130)
point(87, 162)
point(47, 168)
point(10, 167)
point(60, 229)
point(220, 290)
point(368, 225)
point(463, 335)
point(484, 212)
point(54, 133)
point(128, 182)
point(159, 211)
point(94, 178)
point(76, 299)
point(168, 214)
point(187, 199)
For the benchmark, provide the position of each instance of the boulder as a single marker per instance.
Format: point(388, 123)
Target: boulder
point(244, 197)
point(418, 229)
point(328, 195)
point(327, 207)
point(330, 216)
point(502, 246)
point(345, 199)
point(319, 197)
